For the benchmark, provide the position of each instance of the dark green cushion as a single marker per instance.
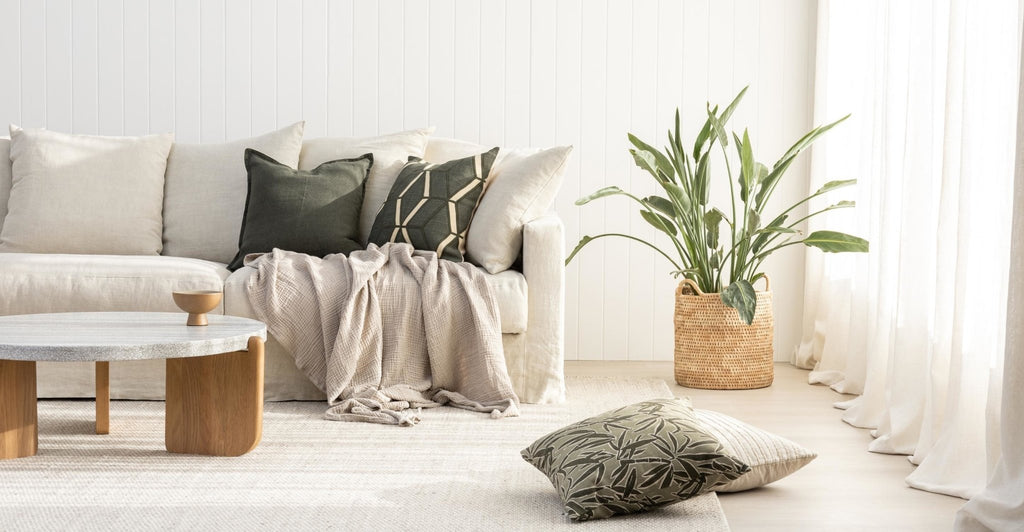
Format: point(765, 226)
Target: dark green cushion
point(306, 211)
point(632, 459)
point(431, 205)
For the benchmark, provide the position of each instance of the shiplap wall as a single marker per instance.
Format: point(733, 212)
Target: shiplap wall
point(509, 73)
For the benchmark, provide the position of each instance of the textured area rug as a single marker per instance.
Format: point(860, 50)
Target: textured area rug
point(456, 470)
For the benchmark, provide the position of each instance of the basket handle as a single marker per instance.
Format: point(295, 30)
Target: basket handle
point(693, 286)
point(696, 289)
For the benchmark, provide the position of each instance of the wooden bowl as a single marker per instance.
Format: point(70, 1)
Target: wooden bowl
point(197, 303)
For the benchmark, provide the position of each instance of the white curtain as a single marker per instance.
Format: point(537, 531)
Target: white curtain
point(916, 326)
point(1001, 505)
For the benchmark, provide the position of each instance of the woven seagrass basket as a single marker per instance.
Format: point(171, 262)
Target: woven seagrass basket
point(714, 349)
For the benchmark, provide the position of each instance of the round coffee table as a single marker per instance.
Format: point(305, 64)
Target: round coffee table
point(214, 374)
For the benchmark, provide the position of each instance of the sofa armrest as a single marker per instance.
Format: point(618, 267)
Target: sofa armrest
point(544, 269)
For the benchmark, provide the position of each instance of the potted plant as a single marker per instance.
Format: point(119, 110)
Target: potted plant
point(723, 326)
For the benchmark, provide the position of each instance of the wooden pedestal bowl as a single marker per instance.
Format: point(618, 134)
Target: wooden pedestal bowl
point(197, 303)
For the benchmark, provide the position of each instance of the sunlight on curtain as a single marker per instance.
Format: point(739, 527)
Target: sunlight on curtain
point(917, 325)
point(1001, 505)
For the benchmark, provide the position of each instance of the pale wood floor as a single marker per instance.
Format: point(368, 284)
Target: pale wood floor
point(845, 488)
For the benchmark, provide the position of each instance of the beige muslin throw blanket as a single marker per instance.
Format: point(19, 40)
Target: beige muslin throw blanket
point(386, 331)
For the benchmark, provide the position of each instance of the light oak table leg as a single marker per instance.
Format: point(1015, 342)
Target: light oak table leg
point(19, 433)
point(103, 398)
point(215, 403)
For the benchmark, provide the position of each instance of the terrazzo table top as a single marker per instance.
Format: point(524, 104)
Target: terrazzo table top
point(106, 336)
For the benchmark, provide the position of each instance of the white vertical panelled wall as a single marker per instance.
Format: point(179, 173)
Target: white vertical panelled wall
point(508, 73)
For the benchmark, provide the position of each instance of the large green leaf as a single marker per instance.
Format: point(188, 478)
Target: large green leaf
point(787, 159)
point(740, 295)
point(606, 191)
point(645, 161)
point(661, 204)
point(702, 188)
point(659, 222)
point(809, 138)
point(677, 157)
point(702, 137)
point(836, 242)
point(579, 245)
point(718, 128)
point(764, 234)
point(712, 220)
point(753, 221)
point(677, 194)
point(661, 160)
point(774, 227)
point(760, 172)
point(832, 185)
point(678, 136)
point(768, 183)
point(747, 170)
point(845, 204)
point(727, 113)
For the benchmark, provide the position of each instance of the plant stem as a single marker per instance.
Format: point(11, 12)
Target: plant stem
point(644, 242)
point(732, 200)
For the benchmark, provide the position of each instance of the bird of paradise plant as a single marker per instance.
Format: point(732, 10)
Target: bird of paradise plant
point(698, 251)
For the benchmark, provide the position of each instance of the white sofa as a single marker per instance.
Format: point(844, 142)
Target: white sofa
point(530, 303)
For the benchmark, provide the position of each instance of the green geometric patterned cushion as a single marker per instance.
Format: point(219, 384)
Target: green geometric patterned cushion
point(632, 459)
point(431, 205)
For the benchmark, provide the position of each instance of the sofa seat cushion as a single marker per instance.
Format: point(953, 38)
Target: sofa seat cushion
point(36, 283)
point(509, 289)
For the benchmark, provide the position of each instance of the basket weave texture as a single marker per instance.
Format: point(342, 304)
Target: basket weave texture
point(714, 349)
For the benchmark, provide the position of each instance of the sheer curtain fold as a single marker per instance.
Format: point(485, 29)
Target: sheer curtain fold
point(916, 326)
point(1001, 505)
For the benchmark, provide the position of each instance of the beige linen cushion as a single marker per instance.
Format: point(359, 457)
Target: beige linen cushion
point(390, 153)
point(769, 456)
point(5, 177)
point(85, 194)
point(47, 282)
point(206, 188)
point(51, 282)
point(522, 187)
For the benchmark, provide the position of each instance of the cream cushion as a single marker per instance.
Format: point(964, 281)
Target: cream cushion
point(509, 290)
point(390, 153)
point(39, 283)
point(5, 177)
point(85, 194)
point(522, 187)
point(45, 282)
point(769, 456)
point(206, 188)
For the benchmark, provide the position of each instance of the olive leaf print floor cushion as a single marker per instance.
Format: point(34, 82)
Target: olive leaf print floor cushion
point(642, 456)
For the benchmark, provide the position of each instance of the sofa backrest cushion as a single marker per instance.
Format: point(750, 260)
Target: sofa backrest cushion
point(84, 193)
point(522, 187)
point(5, 177)
point(390, 153)
point(204, 196)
